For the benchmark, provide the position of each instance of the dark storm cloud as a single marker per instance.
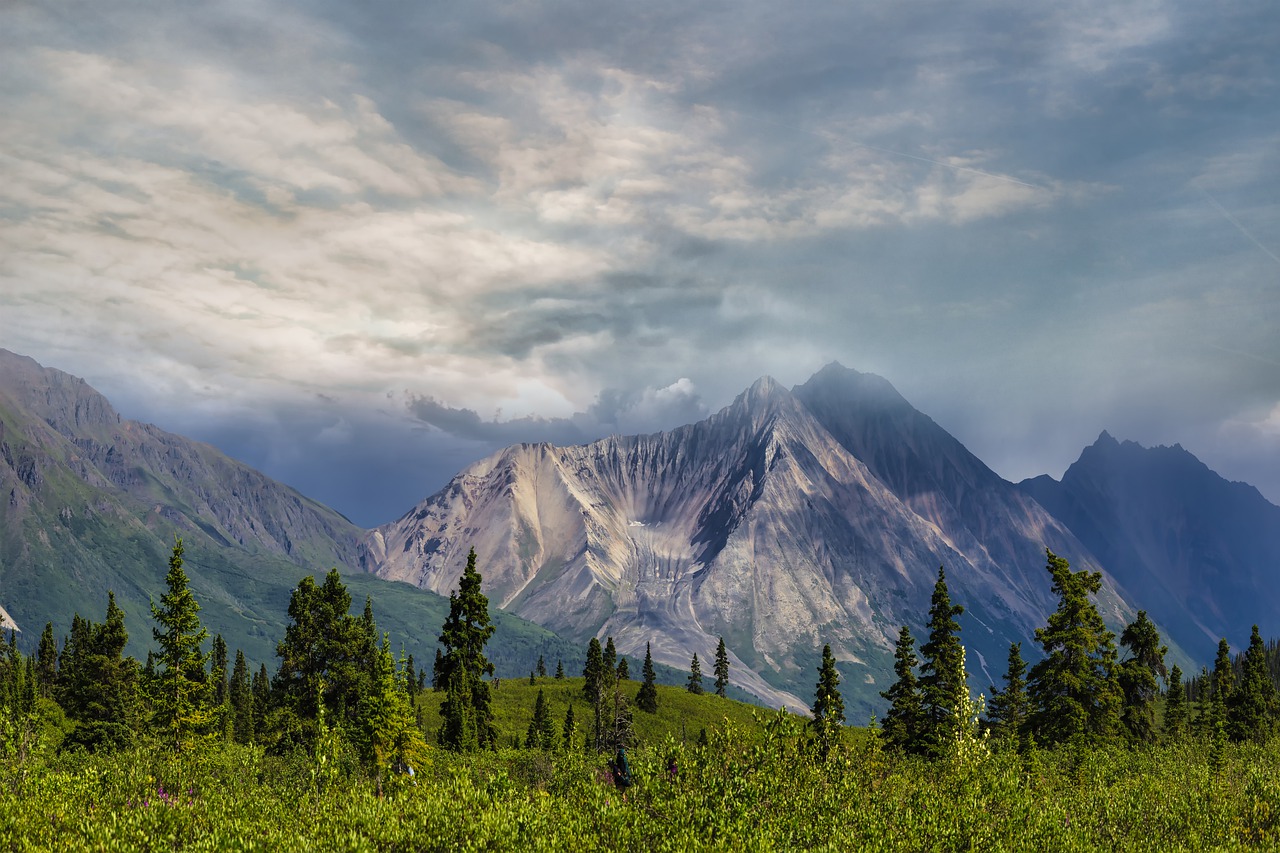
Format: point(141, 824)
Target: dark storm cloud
point(1038, 221)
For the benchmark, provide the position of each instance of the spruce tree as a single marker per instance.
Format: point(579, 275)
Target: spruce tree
point(1138, 674)
point(1073, 690)
point(828, 705)
point(722, 668)
point(181, 701)
point(904, 721)
point(465, 632)
point(694, 684)
point(559, 670)
point(47, 662)
point(1221, 686)
point(624, 669)
point(541, 733)
point(569, 729)
point(593, 672)
point(261, 701)
point(219, 670)
point(103, 700)
point(1008, 709)
point(944, 684)
point(387, 734)
point(437, 671)
point(240, 692)
point(541, 668)
point(1175, 707)
point(647, 698)
point(609, 665)
point(1252, 707)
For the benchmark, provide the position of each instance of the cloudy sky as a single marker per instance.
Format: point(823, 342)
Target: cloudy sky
point(360, 245)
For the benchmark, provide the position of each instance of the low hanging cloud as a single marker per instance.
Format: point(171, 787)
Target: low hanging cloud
point(613, 412)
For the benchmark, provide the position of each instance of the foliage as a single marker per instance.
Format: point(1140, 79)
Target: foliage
point(943, 682)
point(647, 698)
point(828, 706)
point(694, 685)
point(463, 666)
point(721, 668)
point(1251, 710)
point(181, 698)
point(904, 721)
point(1073, 690)
point(1007, 712)
point(1137, 676)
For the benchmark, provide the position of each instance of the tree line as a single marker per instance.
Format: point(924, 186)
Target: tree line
point(1082, 690)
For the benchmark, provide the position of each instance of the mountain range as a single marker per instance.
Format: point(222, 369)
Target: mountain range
point(789, 519)
point(91, 501)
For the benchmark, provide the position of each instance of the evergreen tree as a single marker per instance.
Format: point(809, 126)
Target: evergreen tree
point(1073, 690)
point(828, 706)
point(261, 701)
point(240, 692)
point(944, 684)
point(437, 671)
point(328, 659)
point(647, 698)
point(609, 664)
point(541, 668)
point(722, 668)
point(569, 729)
point(904, 721)
point(616, 731)
point(1138, 675)
point(465, 632)
point(1221, 686)
point(593, 672)
point(47, 662)
point(541, 734)
point(559, 670)
point(1252, 707)
point(219, 666)
point(389, 737)
point(1009, 707)
point(1175, 707)
point(694, 684)
point(624, 669)
point(181, 701)
point(102, 702)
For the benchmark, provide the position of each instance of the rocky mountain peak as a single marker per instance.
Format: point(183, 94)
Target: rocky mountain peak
point(65, 402)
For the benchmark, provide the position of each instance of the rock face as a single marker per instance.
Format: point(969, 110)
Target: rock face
point(90, 501)
point(788, 520)
point(1201, 553)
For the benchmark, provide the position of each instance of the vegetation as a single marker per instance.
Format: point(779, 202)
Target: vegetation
point(97, 752)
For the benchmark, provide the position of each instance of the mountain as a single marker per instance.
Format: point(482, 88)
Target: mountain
point(790, 519)
point(91, 501)
point(1201, 553)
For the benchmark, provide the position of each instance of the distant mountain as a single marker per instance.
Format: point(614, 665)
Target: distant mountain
point(787, 520)
point(90, 501)
point(1200, 553)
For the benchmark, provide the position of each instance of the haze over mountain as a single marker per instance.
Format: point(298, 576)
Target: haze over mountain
point(90, 501)
point(1201, 553)
point(785, 521)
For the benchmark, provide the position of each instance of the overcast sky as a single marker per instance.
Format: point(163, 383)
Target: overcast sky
point(360, 245)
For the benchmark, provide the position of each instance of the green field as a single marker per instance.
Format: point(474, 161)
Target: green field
point(754, 787)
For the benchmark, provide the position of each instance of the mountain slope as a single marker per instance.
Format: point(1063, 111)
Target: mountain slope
point(761, 524)
point(90, 501)
point(1200, 552)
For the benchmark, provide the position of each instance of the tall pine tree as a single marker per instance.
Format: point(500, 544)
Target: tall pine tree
point(694, 685)
point(465, 632)
point(1138, 674)
point(1073, 690)
point(722, 668)
point(1175, 707)
point(828, 705)
point(1252, 708)
point(593, 680)
point(1008, 709)
point(647, 698)
point(904, 721)
point(944, 686)
point(182, 697)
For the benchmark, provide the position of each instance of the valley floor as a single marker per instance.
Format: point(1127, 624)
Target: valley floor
point(752, 790)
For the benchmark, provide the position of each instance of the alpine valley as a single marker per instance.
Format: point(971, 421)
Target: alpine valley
point(791, 518)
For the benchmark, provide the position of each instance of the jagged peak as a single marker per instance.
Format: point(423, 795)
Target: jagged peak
point(851, 386)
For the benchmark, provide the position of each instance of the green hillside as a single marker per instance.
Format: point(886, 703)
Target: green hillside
point(681, 715)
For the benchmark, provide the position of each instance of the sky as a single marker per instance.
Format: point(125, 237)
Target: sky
point(361, 245)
